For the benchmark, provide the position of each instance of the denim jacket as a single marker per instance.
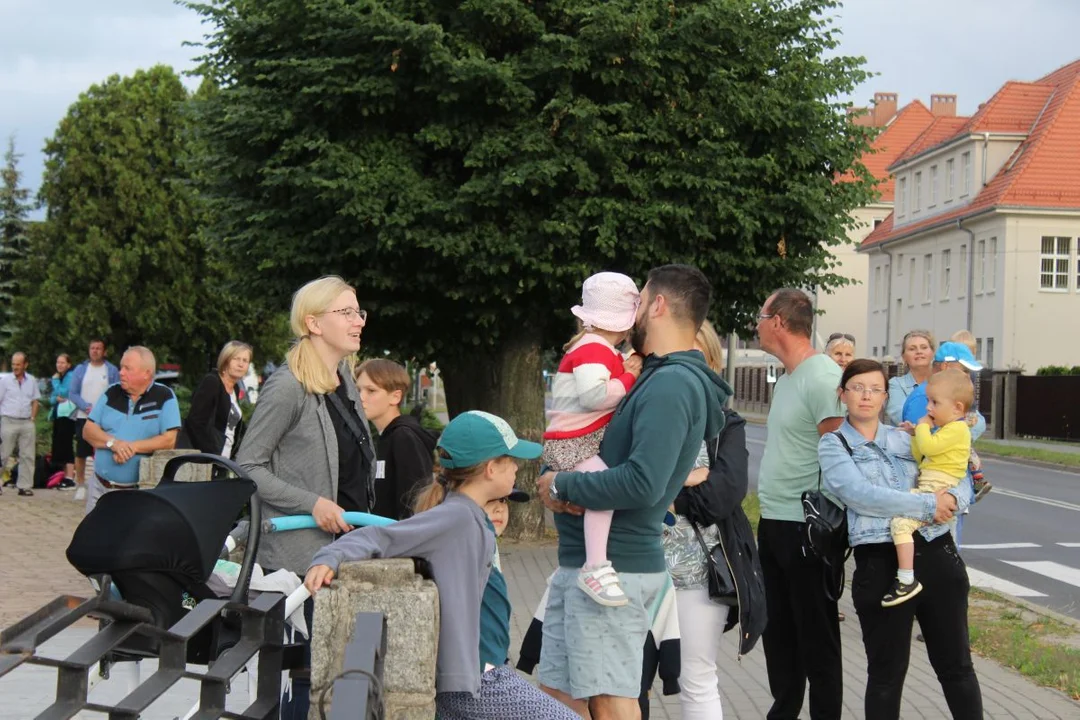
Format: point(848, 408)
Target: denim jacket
point(875, 483)
point(899, 388)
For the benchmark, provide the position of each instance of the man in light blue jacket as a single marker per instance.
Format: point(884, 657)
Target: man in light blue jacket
point(88, 382)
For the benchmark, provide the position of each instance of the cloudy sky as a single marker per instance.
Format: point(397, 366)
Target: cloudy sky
point(53, 49)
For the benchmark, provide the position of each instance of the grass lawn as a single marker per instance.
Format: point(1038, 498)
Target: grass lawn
point(1028, 453)
point(1039, 648)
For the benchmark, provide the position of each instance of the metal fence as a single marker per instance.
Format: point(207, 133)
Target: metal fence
point(1048, 407)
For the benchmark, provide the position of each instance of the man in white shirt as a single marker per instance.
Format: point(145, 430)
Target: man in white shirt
point(88, 382)
point(19, 403)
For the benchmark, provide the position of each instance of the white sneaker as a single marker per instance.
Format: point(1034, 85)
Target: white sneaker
point(601, 583)
point(80, 493)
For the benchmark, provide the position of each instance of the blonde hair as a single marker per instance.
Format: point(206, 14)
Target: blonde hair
point(956, 384)
point(446, 480)
point(924, 334)
point(231, 350)
point(965, 337)
point(303, 359)
point(709, 341)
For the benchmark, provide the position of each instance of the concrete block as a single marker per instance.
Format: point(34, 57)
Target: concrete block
point(153, 467)
point(411, 606)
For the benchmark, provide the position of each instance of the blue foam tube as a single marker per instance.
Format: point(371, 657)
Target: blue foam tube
point(303, 522)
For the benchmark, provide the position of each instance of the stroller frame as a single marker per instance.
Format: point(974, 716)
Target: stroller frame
point(262, 632)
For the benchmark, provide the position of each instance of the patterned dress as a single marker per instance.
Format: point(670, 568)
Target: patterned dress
point(686, 562)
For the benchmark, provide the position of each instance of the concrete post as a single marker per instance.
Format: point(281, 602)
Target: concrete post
point(997, 408)
point(153, 467)
point(411, 606)
point(1009, 424)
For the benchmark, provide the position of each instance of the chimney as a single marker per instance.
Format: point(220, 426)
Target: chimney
point(860, 116)
point(943, 105)
point(884, 108)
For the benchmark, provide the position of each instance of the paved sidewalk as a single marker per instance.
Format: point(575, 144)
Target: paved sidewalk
point(34, 532)
point(744, 684)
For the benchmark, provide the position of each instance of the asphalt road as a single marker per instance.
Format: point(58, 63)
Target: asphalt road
point(1022, 539)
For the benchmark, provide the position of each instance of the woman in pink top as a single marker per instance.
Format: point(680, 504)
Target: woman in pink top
point(591, 380)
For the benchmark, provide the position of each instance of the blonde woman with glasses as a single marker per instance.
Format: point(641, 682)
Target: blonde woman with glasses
point(918, 355)
point(308, 447)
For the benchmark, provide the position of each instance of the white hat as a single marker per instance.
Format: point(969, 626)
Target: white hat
point(609, 301)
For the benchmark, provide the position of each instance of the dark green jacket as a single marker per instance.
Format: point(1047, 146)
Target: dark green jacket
point(649, 446)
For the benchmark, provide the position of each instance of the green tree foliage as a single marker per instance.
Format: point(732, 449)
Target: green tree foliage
point(468, 164)
point(15, 206)
point(121, 255)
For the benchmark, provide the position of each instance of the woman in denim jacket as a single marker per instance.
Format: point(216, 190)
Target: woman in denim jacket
point(875, 483)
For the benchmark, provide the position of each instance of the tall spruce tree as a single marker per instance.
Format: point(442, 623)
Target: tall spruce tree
point(468, 164)
point(15, 207)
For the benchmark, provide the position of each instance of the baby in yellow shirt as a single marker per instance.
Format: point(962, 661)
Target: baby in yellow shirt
point(943, 463)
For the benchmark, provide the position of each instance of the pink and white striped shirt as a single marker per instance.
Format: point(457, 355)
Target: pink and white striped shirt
point(590, 382)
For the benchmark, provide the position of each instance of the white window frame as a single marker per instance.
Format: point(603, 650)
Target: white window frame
point(877, 286)
point(916, 191)
point(900, 265)
point(946, 273)
point(992, 286)
point(965, 174)
point(950, 179)
point(928, 278)
point(911, 283)
point(1060, 259)
point(981, 255)
point(933, 186)
point(901, 197)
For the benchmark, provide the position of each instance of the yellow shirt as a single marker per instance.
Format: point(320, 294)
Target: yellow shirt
point(946, 451)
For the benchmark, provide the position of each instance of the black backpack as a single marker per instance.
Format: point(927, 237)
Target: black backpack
point(827, 533)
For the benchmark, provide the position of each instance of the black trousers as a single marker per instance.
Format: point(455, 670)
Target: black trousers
point(802, 639)
point(942, 611)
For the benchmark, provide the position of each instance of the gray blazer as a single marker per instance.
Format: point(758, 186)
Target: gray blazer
point(290, 450)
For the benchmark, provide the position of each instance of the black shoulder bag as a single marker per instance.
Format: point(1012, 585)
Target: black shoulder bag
point(827, 533)
point(721, 582)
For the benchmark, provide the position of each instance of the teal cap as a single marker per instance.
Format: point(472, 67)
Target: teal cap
point(475, 436)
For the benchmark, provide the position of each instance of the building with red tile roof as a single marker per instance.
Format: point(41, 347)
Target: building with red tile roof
point(983, 233)
point(844, 309)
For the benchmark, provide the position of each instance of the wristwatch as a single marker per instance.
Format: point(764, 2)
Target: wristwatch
point(552, 491)
point(110, 443)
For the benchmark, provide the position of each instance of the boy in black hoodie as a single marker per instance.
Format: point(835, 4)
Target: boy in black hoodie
point(406, 449)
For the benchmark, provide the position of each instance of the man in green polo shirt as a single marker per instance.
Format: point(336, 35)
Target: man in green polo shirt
point(802, 639)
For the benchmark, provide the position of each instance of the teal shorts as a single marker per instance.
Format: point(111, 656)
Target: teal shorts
point(591, 650)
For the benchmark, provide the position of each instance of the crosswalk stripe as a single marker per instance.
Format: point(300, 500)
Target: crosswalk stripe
point(1053, 570)
point(1001, 546)
point(985, 580)
point(1035, 498)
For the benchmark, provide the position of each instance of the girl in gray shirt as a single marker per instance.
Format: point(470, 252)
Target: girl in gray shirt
point(477, 452)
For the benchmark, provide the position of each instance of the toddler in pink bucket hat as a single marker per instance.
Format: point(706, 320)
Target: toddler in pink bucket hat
point(609, 301)
point(591, 380)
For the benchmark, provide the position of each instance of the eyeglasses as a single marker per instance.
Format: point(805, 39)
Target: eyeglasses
point(845, 336)
point(860, 389)
point(349, 314)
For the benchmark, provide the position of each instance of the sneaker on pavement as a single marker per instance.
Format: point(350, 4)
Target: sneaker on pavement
point(23, 492)
point(80, 493)
point(66, 484)
point(901, 593)
point(982, 489)
point(601, 583)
